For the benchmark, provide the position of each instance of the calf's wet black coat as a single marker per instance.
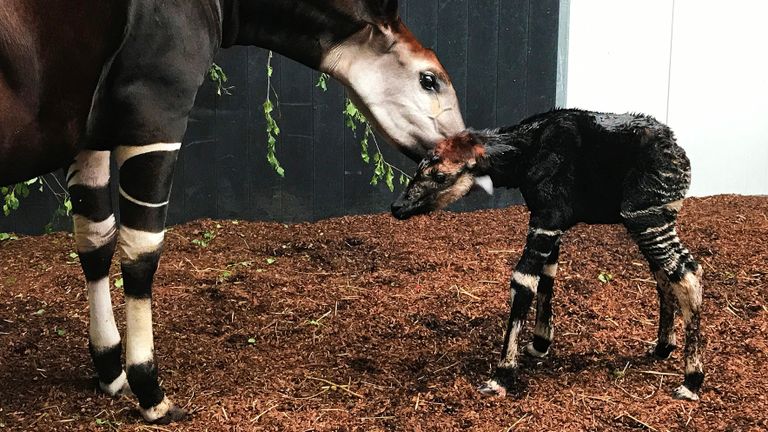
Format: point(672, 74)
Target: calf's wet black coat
point(575, 166)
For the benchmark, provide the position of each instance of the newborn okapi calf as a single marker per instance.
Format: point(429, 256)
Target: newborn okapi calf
point(576, 166)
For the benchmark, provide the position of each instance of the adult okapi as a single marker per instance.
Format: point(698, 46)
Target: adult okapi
point(80, 80)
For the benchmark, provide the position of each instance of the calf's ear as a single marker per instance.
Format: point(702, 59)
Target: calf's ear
point(485, 183)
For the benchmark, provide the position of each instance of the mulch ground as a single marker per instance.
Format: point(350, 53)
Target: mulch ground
point(366, 323)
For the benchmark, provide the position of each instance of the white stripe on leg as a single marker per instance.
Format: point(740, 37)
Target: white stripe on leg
point(134, 243)
point(139, 344)
point(103, 330)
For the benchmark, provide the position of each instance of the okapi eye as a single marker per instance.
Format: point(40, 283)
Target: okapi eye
point(429, 82)
point(440, 177)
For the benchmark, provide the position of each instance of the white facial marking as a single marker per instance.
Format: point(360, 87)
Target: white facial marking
point(102, 330)
point(123, 153)
point(139, 343)
point(157, 411)
point(91, 169)
point(133, 242)
point(485, 183)
point(90, 235)
point(529, 281)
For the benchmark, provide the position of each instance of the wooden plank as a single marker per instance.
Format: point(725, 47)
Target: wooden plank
point(328, 142)
point(542, 60)
point(296, 151)
point(198, 184)
point(232, 185)
point(422, 20)
point(512, 64)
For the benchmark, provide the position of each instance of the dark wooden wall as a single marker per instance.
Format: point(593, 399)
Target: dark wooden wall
point(502, 57)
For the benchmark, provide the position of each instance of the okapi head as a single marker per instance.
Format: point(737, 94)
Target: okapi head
point(449, 172)
point(400, 86)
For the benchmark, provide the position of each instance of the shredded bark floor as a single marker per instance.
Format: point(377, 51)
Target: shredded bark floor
point(366, 323)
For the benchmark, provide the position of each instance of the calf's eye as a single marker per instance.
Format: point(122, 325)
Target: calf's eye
point(440, 177)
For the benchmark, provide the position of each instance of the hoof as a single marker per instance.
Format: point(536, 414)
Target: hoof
point(116, 388)
point(684, 393)
point(533, 352)
point(662, 351)
point(174, 414)
point(164, 413)
point(492, 388)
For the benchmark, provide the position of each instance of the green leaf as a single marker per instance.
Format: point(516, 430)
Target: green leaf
point(605, 277)
point(39, 312)
point(271, 260)
point(61, 332)
point(73, 255)
point(119, 283)
point(322, 82)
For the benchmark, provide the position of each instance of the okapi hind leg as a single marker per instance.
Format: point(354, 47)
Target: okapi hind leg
point(654, 231)
point(95, 236)
point(539, 245)
point(666, 341)
point(146, 173)
point(544, 330)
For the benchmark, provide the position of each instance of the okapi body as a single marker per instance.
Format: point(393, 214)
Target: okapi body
point(84, 81)
point(572, 167)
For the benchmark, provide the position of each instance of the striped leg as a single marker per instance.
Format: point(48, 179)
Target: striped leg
point(525, 280)
point(654, 231)
point(95, 235)
point(146, 173)
point(544, 330)
point(666, 340)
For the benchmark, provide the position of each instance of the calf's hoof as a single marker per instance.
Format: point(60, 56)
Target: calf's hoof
point(492, 388)
point(499, 385)
point(164, 413)
point(684, 393)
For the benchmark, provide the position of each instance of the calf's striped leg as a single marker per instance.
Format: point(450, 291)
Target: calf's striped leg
point(654, 231)
point(544, 330)
point(666, 340)
point(95, 235)
point(146, 173)
point(525, 280)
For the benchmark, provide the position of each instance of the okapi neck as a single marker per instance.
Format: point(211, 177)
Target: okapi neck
point(301, 30)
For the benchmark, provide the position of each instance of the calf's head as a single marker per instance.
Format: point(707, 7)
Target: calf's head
point(445, 175)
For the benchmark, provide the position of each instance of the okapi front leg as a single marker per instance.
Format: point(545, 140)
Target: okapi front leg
point(146, 173)
point(95, 235)
point(544, 330)
point(525, 279)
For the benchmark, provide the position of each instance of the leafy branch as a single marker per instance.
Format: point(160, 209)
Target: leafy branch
point(273, 130)
point(382, 169)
